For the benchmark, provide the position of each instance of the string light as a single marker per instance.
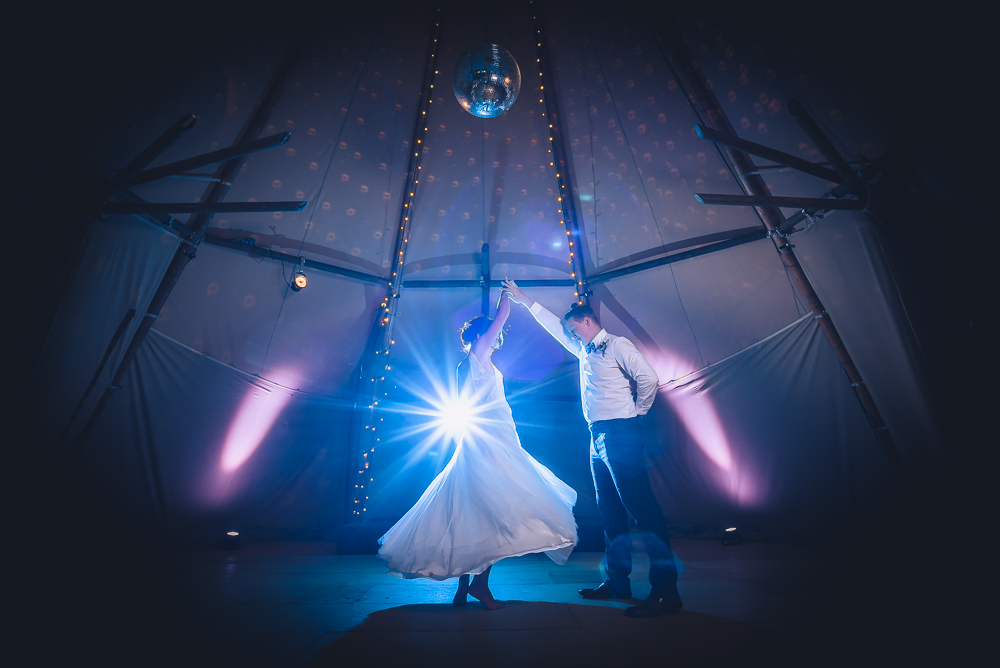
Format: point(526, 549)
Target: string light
point(558, 155)
point(385, 321)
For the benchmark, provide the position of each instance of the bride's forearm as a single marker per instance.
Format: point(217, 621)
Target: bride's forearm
point(501, 318)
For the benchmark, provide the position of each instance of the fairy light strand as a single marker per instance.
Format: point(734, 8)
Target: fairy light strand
point(565, 206)
point(376, 374)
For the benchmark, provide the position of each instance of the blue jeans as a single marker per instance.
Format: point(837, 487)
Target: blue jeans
point(623, 489)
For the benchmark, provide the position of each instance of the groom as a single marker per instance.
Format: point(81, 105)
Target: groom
point(609, 365)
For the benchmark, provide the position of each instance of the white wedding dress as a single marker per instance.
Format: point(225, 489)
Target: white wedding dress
point(491, 501)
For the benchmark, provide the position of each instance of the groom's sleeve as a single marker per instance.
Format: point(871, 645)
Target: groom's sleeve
point(554, 326)
point(638, 369)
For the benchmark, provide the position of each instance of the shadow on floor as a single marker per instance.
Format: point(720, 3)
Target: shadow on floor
point(529, 633)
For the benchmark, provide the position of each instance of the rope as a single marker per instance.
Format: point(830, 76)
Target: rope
point(607, 88)
point(593, 172)
point(690, 98)
point(247, 374)
point(392, 163)
point(312, 214)
point(739, 352)
point(340, 133)
point(621, 127)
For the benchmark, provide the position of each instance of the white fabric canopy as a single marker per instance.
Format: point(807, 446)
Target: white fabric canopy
point(774, 437)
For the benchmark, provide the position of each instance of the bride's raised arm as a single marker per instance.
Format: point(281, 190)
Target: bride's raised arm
point(484, 345)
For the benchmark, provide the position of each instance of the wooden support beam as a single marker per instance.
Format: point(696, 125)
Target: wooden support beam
point(185, 252)
point(238, 151)
point(254, 250)
point(676, 246)
point(466, 284)
point(786, 202)
point(150, 153)
point(216, 207)
point(605, 276)
point(785, 159)
point(100, 369)
point(825, 146)
point(685, 69)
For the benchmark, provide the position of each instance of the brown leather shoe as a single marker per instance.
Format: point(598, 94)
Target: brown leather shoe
point(606, 591)
point(654, 606)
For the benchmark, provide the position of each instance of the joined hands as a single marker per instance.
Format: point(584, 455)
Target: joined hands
point(516, 296)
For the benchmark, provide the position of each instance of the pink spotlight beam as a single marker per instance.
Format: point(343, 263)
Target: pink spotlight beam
point(699, 418)
point(695, 410)
point(254, 419)
point(692, 404)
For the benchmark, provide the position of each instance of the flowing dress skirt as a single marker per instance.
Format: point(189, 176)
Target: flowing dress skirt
point(491, 501)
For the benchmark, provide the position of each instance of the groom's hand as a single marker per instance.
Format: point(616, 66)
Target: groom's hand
point(515, 293)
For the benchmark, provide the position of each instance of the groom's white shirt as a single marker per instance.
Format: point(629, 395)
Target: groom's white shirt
point(604, 376)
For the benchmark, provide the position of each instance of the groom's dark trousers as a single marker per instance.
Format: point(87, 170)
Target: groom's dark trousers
point(623, 489)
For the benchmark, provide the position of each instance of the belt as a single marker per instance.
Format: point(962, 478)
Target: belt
point(604, 425)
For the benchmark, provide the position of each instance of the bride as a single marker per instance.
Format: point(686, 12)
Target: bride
point(492, 500)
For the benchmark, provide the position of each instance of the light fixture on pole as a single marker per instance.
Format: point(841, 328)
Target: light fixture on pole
point(299, 279)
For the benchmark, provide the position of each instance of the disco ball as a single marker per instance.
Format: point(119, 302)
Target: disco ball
point(487, 80)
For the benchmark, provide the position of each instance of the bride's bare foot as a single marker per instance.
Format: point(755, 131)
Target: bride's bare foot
point(482, 592)
point(461, 595)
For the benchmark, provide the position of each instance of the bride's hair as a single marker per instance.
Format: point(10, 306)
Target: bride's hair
point(471, 330)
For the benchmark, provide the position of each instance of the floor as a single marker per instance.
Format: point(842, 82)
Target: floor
point(293, 604)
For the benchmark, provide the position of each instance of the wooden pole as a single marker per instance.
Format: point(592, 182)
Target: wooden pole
point(100, 369)
point(185, 252)
point(685, 68)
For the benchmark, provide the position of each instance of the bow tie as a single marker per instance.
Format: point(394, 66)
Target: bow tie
point(591, 348)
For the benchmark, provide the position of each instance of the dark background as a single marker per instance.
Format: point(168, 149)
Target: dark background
point(913, 582)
